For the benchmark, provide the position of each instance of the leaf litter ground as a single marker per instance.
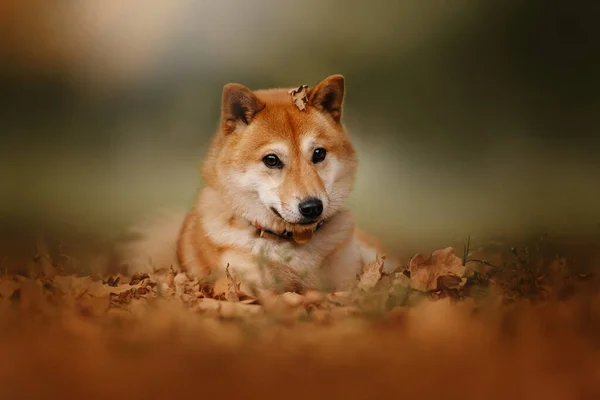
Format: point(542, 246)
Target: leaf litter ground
point(442, 326)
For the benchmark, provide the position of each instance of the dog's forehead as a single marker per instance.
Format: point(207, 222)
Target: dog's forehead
point(287, 124)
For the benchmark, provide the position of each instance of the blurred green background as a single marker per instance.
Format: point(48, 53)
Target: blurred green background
point(470, 117)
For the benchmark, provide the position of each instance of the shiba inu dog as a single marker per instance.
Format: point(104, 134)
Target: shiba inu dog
point(276, 176)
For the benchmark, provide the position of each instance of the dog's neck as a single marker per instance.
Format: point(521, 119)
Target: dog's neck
point(302, 237)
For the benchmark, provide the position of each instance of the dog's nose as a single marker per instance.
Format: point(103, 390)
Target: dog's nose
point(311, 207)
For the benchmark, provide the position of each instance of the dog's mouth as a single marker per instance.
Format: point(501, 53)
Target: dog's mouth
point(304, 222)
point(308, 222)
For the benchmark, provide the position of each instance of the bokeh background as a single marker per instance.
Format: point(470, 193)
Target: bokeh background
point(470, 117)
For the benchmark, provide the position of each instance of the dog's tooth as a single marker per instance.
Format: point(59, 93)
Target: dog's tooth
point(262, 232)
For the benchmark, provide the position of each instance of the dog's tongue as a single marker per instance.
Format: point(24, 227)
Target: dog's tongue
point(302, 237)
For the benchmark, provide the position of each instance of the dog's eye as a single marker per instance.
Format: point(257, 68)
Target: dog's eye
point(272, 161)
point(319, 155)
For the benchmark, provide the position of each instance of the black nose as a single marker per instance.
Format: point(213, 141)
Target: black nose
point(311, 207)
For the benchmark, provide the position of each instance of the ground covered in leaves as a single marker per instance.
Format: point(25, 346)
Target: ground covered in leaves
point(512, 323)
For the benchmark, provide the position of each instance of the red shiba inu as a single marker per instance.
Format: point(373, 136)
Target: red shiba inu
point(276, 176)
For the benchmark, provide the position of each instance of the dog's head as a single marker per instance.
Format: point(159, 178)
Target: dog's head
point(282, 163)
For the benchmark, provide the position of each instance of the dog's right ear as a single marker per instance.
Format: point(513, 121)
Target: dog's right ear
point(238, 106)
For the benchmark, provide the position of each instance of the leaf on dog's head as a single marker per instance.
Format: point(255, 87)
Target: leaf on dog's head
point(299, 97)
point(424, 272)
point(372, 273)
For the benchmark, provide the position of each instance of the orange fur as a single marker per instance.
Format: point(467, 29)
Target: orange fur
point(241, 193)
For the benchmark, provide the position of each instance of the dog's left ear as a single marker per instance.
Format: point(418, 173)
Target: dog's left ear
point(328, 96)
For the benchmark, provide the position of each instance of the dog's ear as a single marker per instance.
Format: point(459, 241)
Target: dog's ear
point(328, 96)
point(238, 105)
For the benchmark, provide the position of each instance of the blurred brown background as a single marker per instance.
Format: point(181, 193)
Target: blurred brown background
point(470, 117)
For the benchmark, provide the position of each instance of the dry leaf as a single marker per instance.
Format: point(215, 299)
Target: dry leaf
point(448, 282)
point(300, 97)
point(16, 296)
point(340, 298)
point(8, 287)
point(227, 309)
point(401, 279)
point(112, 281)
point(233, 287)
point(313, 297)
point(424, 272)
point(226, 288)
point(271, 302)
point(250, 300)
point(206, 290)
point(372, 273)
point(137, 278)
point(48, 268)
point(219, 288)
point(179, 281)
point(292, 299)
point(320, 316)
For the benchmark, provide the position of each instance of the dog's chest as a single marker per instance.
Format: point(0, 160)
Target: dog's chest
point(248, 248)
point(244, 248)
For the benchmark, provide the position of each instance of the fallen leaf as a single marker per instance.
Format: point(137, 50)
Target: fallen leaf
point(313, 297)
point(340, 298)
point(8, 287)
point(16, 296)
point(219, 288)
point(138, 278)
point(320, 316)
point(226, 309)
point(120, 299)
point(233, 287)
point(112, 281)
point(372, 273)
point(139, 292)
point(48, 268)
point(292, 299)
point(148, 283)
point(424, 272)
point(401, 279)
point(449, 282)
point(300, 97)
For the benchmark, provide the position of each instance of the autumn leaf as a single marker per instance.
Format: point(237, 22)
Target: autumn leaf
point(226, 287)
point(119, 299)
point(42, 258)
point(292, 299)
point(8, 287)
point(16, 296)
point(206, 289)
point(448, 282)
point(299, 97)
point(219, 288)
point(137, 278)
point(227, 309)
point(338, 298)
point(112, 281)
point(424, 272)
point(372, 273)
point(233, 287)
